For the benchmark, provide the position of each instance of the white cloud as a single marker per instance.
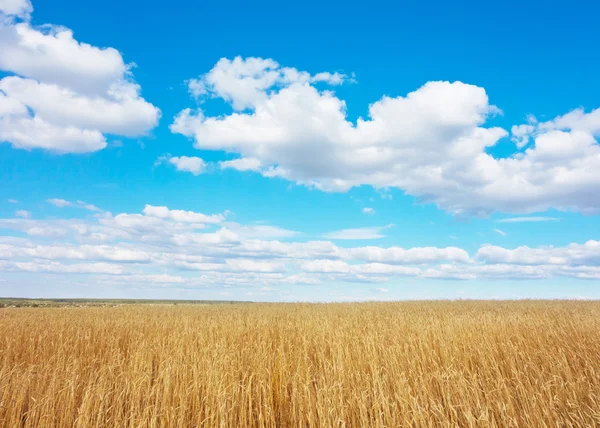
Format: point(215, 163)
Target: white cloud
point(25, 132)
point(87, 206)
point(521, 133)
point(326, 266)
point(248, 265)
point(56, 267)
point(13, 201)
point(74, 252)
point(51, 54)
point(397, 255)
point(358, 233)
point(382, 290)
point(242, 164)
point(222, 236)
point(181, 215)
point(163, 246)
point(368, 210)
point(573, 254)
point(577, 120)
point(23, 214)
point(65, 94)
point(330, 78)
point(527, 219)
point(18, 8)
point(35, 228)
point(61, 203)
point(119, 112)
point(431, 143)
point(192, 164)
point(195, 165)
point(339, 266)
point(156, 278)
point(243, 82)
point(500, 232)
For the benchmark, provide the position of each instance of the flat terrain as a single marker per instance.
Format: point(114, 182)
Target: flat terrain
point(525, 364)
point(11, 302)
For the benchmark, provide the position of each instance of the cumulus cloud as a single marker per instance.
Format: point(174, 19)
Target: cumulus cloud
point(16, 8)
point(521, 133)
point(573, 254)
point(168, 247)
point(64, 95)
point(155, 278)
point(431, 143)
point(23, 214)
point(242, 164)
point(56, 267)
point(368, 210)
point(397, 255)
point(244, 82)
point(192, 164)
point(181, 215)
point(339, 266)
point(195, 165)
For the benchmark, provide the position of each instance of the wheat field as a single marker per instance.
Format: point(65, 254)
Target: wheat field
point(467, 364)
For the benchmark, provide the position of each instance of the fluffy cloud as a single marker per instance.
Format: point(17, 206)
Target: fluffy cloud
point(193, 164)
point(431, 143)
point(55, 267)
point(182, 216)
point(121, 111)
point(168, 247)
point(397, 255)
point(64, 94)
point(17, 8)
point(242, 164)
point(25, 132)
point(368, 210)
point(339, 266)
point(573, 254)
point(245, 82)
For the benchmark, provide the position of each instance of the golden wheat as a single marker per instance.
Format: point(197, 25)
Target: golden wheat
point(371, 364)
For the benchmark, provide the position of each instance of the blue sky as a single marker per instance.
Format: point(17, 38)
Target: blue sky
point(315, 152)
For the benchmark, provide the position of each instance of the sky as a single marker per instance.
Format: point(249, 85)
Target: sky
point(330, 151)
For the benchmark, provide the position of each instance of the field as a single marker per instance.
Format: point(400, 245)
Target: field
point(525, 364)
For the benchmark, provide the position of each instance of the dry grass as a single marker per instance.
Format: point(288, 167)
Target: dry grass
point(375, 364)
